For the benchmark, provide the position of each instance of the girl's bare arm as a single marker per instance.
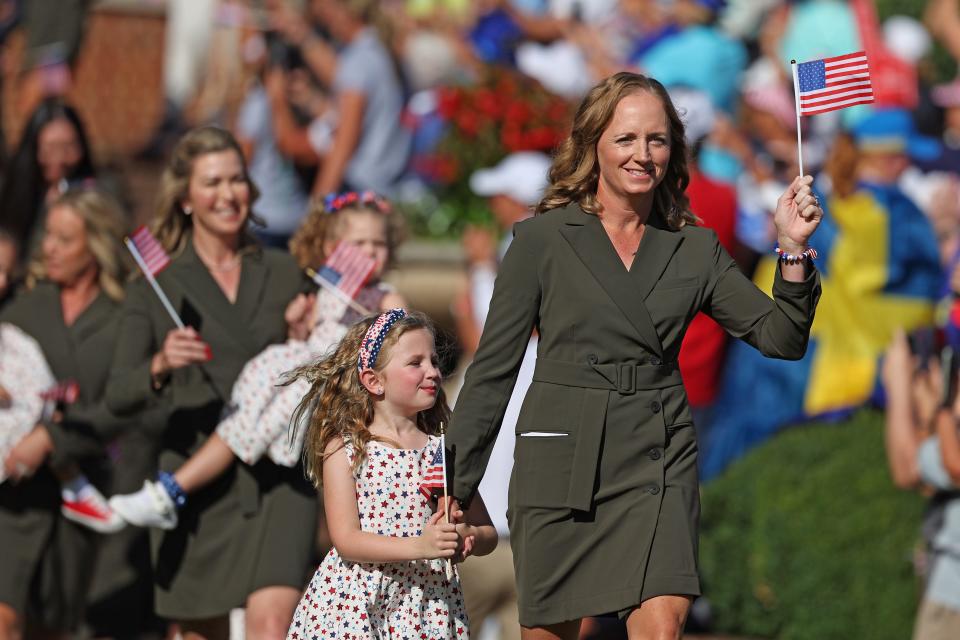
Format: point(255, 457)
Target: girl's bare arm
point(343, 519)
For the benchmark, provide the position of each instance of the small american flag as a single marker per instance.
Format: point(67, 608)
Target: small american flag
point(66, 392)
point(435, 475)
point(833, 83)
point(347, 268)
point(153, 258)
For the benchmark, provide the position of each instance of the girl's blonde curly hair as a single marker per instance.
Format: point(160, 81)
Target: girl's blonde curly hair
point(338, 406)
point(321, 227)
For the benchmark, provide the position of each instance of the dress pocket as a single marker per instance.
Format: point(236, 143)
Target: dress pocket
point(542, 469)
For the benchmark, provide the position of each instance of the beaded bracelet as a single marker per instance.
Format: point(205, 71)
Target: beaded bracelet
point(809, 254)
point(173, 489)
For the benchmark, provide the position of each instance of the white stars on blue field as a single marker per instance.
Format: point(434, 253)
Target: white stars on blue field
point(812, 75)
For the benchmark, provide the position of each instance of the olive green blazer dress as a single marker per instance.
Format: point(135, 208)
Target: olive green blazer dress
point(47, 561)
point(253, 527)
point(604, 503)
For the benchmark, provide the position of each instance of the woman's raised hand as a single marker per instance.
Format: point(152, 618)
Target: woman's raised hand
point(439, 540)
point(797, 216)
point(181, 348)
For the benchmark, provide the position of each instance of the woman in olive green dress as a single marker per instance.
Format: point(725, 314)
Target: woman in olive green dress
point(604, 502)
point(70, 307)
point(246, 539)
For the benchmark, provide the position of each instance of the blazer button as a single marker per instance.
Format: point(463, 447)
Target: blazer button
point(653, 489)
point(655, 361)
point(592, 358)
point(654, 454)
point(655, 406)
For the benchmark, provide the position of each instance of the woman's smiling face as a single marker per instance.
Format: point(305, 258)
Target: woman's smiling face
point(218, 195)
point(634, 150)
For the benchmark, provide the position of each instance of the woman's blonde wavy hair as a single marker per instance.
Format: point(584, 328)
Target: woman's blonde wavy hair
point(575, 173)
point(321, 228)
point(170, 223)
point(338, 406)
point(105, 225)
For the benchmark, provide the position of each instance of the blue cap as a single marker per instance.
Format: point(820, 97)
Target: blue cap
point(893, 130)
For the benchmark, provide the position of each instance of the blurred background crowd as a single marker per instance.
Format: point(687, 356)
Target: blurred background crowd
point(451, 108)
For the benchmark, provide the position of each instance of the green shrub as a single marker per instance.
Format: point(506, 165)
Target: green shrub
point(807, 538)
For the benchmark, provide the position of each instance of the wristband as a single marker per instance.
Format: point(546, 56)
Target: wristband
point(807, 254)
point(173, 489)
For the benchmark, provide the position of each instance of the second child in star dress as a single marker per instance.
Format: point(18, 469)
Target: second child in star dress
point(373, 414)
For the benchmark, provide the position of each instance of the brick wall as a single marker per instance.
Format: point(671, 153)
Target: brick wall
point(118, 83)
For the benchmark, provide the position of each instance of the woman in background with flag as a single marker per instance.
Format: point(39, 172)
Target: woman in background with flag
point(71, 309)
point(604, 502)
point(232, 547)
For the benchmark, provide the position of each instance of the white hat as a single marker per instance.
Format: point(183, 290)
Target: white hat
point(696, 111)
point(521, 175)
point(906, 38)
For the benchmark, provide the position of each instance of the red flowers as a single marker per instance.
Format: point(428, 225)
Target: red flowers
point(503, 113)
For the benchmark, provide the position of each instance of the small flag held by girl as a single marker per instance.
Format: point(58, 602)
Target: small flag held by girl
point(434, 476)
point(344, 273)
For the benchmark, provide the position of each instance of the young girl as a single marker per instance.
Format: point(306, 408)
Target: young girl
point(259, 412)
point(374, 408)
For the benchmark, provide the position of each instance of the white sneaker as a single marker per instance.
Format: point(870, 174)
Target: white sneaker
point(149, 507)
point(90, 508)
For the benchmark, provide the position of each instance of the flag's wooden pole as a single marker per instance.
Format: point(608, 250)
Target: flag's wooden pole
point(332, 288)
point(443, 460)
point(796, 99)
point(153, 283)
point(446, 497)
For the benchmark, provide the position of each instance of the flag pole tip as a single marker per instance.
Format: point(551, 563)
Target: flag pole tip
point(793, 61)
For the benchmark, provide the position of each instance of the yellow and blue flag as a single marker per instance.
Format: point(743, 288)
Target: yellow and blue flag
point(880, 271)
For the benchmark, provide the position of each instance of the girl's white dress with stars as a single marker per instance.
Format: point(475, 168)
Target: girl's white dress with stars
point(395, 600)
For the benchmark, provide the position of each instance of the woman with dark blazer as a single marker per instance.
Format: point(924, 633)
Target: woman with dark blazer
point(604, 502)
point(70, 307)
point(245, 540)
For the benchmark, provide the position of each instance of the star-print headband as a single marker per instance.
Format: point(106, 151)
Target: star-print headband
point(334, 202)
point(373, 341)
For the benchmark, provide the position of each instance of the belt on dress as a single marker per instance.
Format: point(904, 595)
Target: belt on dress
point(598, 381)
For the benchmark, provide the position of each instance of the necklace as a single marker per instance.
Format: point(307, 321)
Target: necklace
point(230, 265)
point(222, 268)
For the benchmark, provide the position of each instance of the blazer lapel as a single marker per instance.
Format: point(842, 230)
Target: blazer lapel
point(203, 293)
point(94, 318)
point(253, 280)
point(53, 334)
point(656, 248)
point(590, 242)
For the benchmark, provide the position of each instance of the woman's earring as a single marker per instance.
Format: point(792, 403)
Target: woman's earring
point(379, 391)
point(187, 210)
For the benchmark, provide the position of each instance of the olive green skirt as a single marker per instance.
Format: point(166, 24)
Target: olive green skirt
point(254, 527)
point(638, 540)
point(47, 561)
